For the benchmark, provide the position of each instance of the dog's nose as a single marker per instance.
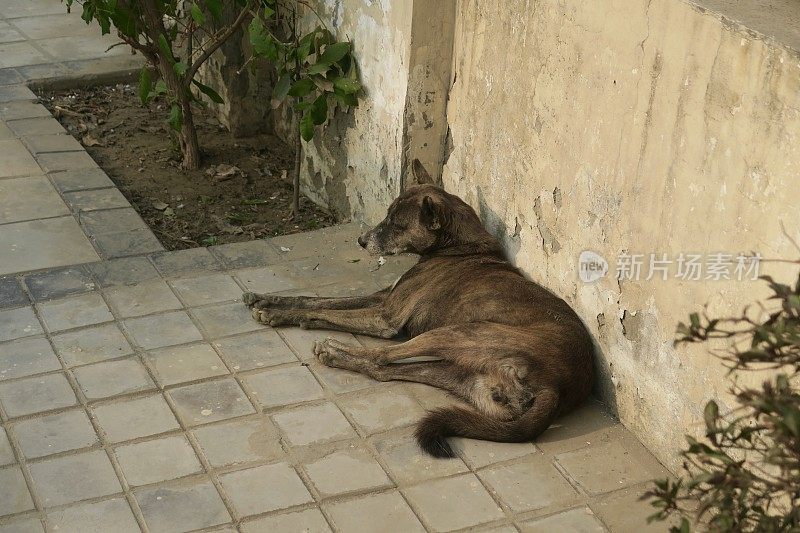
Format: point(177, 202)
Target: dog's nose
point(362, 241)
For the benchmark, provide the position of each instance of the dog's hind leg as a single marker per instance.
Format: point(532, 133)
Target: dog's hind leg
point(265, 301)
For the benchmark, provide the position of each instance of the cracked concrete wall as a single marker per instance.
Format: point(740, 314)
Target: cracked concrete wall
point(636, 126)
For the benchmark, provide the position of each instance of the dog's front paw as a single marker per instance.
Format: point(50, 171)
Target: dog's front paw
point(272, 317)
point(333, 353)
point(249, 298)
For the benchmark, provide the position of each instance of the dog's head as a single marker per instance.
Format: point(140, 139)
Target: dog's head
point(420, 220)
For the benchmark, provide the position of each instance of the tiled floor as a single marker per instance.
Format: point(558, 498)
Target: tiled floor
point(137, 394)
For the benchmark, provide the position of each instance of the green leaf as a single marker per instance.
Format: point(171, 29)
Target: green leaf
point(346, 85)
point(145, 85)
point(319, 110)
point(268, 12)
point(710, 414)
point(281, 89)
point(318, 68)
point(301, 88)
point(345, 99)
point(261, 40)
point(175, 117)
point(180, 68)
point(333, 53)
point(307, 127)
point(88, 12)
point(163, 44)
point(197, 14)
point(215, 8)
point(161, 87)
point(208, 91)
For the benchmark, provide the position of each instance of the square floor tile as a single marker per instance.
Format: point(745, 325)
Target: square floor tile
point(65, 161)
point(227, 319)
point(378, 512)
point(41, 244)
point(107, 515)
point(162, 330)
point(179, 364)
point(581, 519)
point(271, 279)
point(22, 109)
point(6, 452)
point(59, 283)
point(130, 419)
point(142, 299)
point(623, 510)
point(246, 254)
point(92, 345)
point(126, 243)
point(28, 199)
point(207, 289)
point(19, 54)
point(14, 495)
point(239, 441)
point(255, 350)
point(55, 433)
point(25, 357)
point(182, 507)
point(528, 485)
point(409, 464)
point(157, 460)
point(40, 144)
point(30, 7)
point(14, 157)
point(302, 340)
point(382, 409)
point(123, 271)
point(36, 394)
point(36, 126)
point(313, 424)
point(210, 401)
point(453, 503)
point(265, 488)
point(17, 323)
point(11, 293)
point(23, 525)
point(346, 471)
point(74, 312)
point(585, 425)
point(308, 521)
point(480, 453)
point(75, 180)
point(112, 378)
point(283, 386)
point(74, 477)
point(184, 261)
point(93, 200)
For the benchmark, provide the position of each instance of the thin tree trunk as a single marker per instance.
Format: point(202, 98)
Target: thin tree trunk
point(297, 160)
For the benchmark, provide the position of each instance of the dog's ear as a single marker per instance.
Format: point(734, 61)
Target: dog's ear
point(420, 174)
point(431, 213)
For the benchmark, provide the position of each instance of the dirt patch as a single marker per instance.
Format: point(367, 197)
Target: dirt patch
point(241, 193)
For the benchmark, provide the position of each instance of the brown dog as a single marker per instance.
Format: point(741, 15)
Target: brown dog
point(519, 354)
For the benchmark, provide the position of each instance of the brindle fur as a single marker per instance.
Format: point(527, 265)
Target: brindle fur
point(516, 352)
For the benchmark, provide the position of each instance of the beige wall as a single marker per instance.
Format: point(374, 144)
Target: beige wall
point(634, 126)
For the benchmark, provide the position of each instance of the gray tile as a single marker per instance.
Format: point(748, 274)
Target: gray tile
point(74, 477)
point(29, 198)
point(9, 34)
point(580, 520)
point(107, 515)
point(81, 47)
point(36, 394)
point(22, 109)
point(182, 507)
point(60, 142)
point(255, 350)
point(9, 76)
point(109, 198)
point(124, 271)
point(131, 419)
point(283, 386)
point(210, 401)
point(313, 424)
point(55, 25)
point(265, 488)
point(127, 243)
point(226, 319)
point(15, 159)
point(59, 283)
point(36, 126)
point(91, 345)
point(142, 299)
point(18, 323)
point(246, 254)
point(623, 510)
point(308, 521)
point(162, 330)
point(529, 485)
point(346, 471)
point(77, 180)
point(6, 452)
point(11, 293)
point(20, 53)
point(207, 289)
point(24, 525)
point(271, 279)
point(377, 512)
point(184, 261)
point(480, 453)
point(39, 244)
point(239, 441)
point(26, 357)
point(157, 460)
point(65, 161)
point(14, 495)
point(54, 433)
point(583, 426)
point(453, 503)
point(111, 221)
point(302, 340)
point(112, 378)
point(30, 7)
point(409, 464)
point(74, 312)
point(16, 93)
point(180, 364)
point(382, 409)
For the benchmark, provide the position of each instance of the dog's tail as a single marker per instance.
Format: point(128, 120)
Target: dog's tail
point(457, 421)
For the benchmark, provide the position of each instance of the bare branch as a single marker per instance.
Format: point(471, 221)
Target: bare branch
point(214, 42)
